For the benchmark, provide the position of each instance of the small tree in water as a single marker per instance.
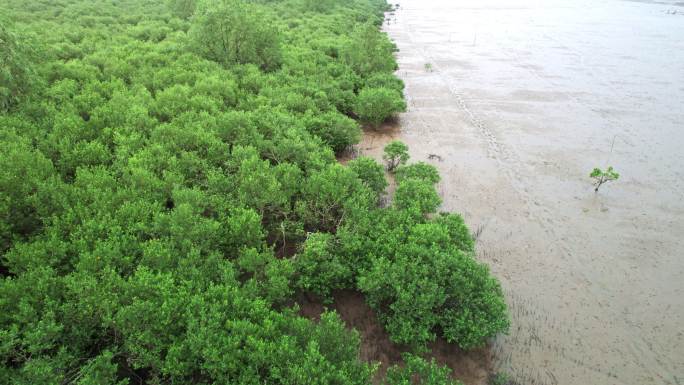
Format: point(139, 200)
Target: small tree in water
point(601, 177)
point(396, 154)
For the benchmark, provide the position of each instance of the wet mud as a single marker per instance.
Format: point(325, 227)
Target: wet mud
point(520, 101)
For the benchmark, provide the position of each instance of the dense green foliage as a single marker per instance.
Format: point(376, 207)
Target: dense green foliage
point(370, 172)
point(233, 32)
point(422, 277)
point(420, 170)
point(15, 68)
point(169, 187)
point(364, 40)
point(374, 105)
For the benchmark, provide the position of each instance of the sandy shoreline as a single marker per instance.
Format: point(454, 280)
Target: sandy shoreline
point(522, 101)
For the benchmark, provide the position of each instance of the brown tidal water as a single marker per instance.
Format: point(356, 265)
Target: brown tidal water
point(523, 99)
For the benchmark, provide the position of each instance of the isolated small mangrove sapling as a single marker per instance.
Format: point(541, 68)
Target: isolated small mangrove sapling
point(601, 177)
point(428, 67)
point(396, 154)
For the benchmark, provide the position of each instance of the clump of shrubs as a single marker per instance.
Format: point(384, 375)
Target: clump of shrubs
point(375, 105)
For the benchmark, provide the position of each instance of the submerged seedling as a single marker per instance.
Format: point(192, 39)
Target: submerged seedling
point(601, 177)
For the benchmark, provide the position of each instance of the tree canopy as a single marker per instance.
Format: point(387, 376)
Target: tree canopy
point(235, 32)
point(16, 69)
point(375, 105)
point(169, 191)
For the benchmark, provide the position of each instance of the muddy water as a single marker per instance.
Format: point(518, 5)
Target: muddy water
point(522, 100)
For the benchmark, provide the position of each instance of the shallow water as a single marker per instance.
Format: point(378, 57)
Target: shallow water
point(523, 99)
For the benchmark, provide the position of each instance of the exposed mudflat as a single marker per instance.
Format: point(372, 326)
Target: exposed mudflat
point(523, 99)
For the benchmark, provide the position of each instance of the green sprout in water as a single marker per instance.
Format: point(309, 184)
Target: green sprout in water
point(428, 67)
point(601, 177)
